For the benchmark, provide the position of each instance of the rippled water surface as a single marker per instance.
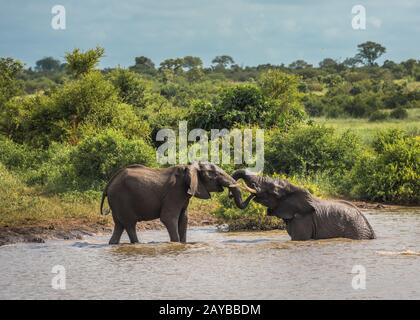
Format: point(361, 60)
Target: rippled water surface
point(215, 265)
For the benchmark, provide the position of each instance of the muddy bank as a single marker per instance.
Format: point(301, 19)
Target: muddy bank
point(78, 228)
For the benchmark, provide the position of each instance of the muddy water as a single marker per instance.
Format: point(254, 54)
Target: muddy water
point(215, 265)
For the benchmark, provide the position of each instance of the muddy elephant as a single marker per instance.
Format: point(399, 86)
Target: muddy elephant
point(306, 216)
point(138, 193)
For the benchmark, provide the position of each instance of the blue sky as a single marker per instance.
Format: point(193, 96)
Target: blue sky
point(251, 31)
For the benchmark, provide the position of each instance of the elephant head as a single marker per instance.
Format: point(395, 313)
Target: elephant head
point(281, 198)
point(203, 178)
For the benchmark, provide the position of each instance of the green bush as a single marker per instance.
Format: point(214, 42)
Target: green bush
point(252, 218)
point(242, 104)
point(131, 88)
point(18, 156)
point(308, 149)
point(90, 101)
point(378, 116)
point(399, 113)
point(391, 172)
point(56, 173)
point(98, 157)
point(313, 105)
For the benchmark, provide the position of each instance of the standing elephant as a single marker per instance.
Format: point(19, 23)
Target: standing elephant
point(138, 193)
point(306, 217)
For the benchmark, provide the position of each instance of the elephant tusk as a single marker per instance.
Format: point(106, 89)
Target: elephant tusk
point(237, 185)
point(250, 189)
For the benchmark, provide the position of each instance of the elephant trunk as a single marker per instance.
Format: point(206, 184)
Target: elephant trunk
point(240, 174)
point(235, 191)
point(248, 177)
point(236, 194)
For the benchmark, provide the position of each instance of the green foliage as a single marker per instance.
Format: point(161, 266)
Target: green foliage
point(98, 157)
point(391, 172)
point(10, 86)
point(369, 52)
point(80, 63)
point(378, 115)
point(252, 218)
point(308, 149)
point(47, 64)
point(241, 104)
point(18, 156)
point(22, 205)
point(131, 88)
point(65, 115)
point(144, 65)
point(274, 101)
point(54, 138)
point(399, 113)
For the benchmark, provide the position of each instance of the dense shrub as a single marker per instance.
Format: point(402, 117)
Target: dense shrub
point(308, 149)
point(55, 173)
point(131, 88)
point(98, 157)
point(399, 113)
point(391, 172)
point(378, 116)
point(314, 106)
point(243, 104)
point(18, 156)
point(252, 218)
point(90, 101)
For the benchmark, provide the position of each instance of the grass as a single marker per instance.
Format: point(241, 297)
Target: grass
point(22, 205)
point(367, 130)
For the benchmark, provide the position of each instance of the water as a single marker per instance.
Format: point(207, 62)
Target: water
point(215, 265)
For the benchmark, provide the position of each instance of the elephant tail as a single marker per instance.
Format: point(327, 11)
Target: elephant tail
point(104, 194)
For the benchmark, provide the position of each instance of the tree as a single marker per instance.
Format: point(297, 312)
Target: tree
point(194, 66)
point(80, 63)
point(282, 97)
point(299, 64)
point(222, 62)
point(10, 86)
point(351, 62)
point(369, 52)
point(144, 65)
point(47, 64)
point(191, 62)
point(328, 63)
point(131, 88)
point(410, 66)
point(172, 64)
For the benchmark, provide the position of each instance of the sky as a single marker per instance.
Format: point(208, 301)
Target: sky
point(251, 31)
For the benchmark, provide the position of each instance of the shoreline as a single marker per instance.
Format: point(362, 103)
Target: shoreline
point(39, 232)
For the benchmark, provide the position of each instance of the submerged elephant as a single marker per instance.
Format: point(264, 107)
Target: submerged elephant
point(138, 193)
point(307, 217)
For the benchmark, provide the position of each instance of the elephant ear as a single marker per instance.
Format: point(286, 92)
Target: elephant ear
point(294, 205)
point(283, 188)
point(195, 186)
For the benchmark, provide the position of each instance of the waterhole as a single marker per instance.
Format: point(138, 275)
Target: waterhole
point(222, 265)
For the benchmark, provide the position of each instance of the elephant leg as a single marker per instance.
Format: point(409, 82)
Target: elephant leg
point(300, 229)
point(172, 227)
point(116, 235)
point(182, 225)
point(132, 233)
